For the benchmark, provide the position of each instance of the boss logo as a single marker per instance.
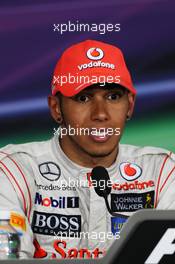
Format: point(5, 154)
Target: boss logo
point(50, 171)
point(56, 224)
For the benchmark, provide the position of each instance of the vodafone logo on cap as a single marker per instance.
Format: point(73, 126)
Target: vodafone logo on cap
point(95, 54)
point(130, 171)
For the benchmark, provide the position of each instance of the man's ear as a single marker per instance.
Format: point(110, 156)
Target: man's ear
point(55, 109)
point(131, 99)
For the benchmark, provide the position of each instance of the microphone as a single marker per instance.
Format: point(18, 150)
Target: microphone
point(99, 174)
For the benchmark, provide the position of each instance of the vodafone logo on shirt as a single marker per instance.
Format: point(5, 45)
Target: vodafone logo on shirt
point(95, 54)
point(130, 171)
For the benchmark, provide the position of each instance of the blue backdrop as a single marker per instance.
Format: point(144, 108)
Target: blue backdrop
point(30, 48)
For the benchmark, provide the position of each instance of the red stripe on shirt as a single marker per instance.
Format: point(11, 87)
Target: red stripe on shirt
point(30, 199)
point(167, 179)
point(24, 202)
point(160, 174)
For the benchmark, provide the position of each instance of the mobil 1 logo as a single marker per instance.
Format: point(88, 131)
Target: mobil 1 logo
point(56, 224)
point(56, 202)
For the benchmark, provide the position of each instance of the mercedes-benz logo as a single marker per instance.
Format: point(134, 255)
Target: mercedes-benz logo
point(50, 171)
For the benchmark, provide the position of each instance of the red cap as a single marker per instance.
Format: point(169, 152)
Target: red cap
point(84, 64)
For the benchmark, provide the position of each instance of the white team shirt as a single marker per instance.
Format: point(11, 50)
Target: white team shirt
point(55, 195)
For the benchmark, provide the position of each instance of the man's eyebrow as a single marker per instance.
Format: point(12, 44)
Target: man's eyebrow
point(90, 90)
point(110, 89)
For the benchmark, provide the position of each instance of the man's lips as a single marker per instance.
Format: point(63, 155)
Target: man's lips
point(99, 135)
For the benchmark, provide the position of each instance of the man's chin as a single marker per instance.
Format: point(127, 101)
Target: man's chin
point(99, 153)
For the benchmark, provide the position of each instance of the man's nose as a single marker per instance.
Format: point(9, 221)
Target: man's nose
point(99, 111)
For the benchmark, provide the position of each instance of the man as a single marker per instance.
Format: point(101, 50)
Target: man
point(50, 182)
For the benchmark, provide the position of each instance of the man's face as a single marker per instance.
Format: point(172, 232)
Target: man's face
point(98, 110)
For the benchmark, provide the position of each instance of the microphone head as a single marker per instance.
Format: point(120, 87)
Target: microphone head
point(101, 181)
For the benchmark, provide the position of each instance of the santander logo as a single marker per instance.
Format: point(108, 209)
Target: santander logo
point(130, 171)
point(95, 54)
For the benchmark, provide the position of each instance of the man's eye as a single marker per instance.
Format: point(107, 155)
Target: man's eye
point(114, 96)
point(82, 98)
